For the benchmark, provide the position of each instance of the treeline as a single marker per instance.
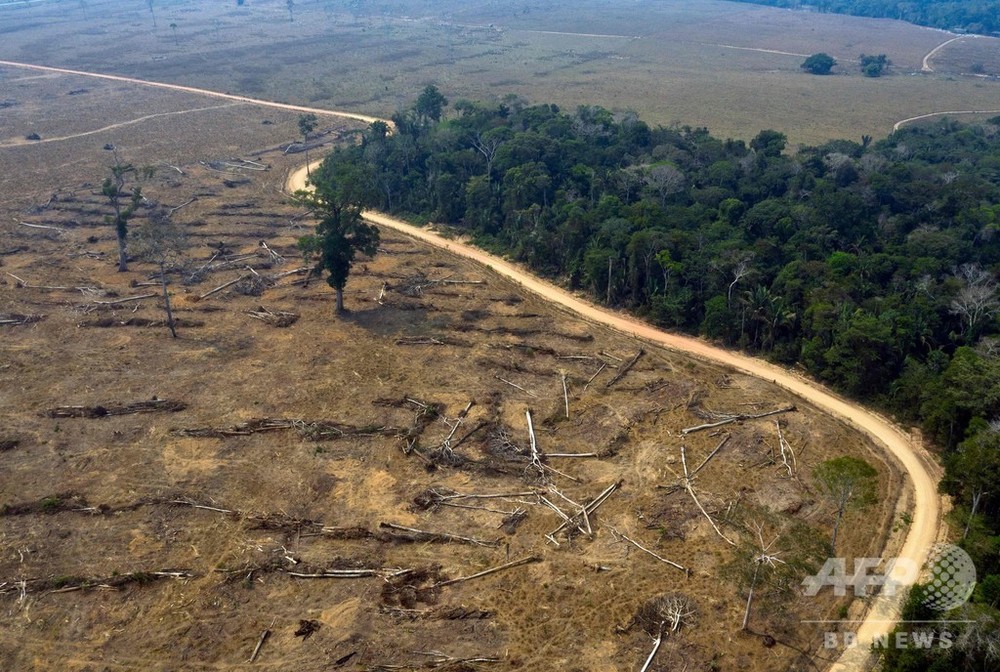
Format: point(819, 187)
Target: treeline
point(973, 16)
point(871, 265)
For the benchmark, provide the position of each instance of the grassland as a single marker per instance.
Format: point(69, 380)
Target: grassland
point(705, 63)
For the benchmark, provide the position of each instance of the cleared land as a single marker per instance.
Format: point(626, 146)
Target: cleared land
point(298, 433)
point(354, 56)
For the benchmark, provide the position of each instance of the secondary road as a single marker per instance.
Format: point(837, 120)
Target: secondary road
point(925, 522)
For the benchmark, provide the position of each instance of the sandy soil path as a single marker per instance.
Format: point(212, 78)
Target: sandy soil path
point(926, 517)
point(903, 122)
point(919, 466)
point(926, 67)
point(190, 89)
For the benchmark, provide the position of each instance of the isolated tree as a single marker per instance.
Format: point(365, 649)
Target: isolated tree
point(124, 204)
point(307, 124)
point(846, 482)
point(977, 300)
point(430, 105)
point(151, 12)
point(161, 241)
point(819, 64)
point(173, 27)
point(873, 66)
point(291, 10)
point(341, 189)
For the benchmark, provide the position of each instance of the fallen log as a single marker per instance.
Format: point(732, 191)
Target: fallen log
point(152, 406)
point(625, 369)
point(487, 572)
point(423, 536)
point(738, 418)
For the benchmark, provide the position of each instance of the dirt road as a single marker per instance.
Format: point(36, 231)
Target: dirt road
point(926, 514)
point(190, 89)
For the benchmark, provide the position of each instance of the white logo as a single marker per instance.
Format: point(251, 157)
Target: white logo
point(953, 578)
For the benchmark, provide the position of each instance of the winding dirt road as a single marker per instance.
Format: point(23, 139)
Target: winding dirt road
point(926, 516)
point(919, 466)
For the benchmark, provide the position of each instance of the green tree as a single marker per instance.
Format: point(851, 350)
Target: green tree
point(846, 482)
point(341, 189)
point(173, 27)
point(873, 66)
point(430, 105)
point(819, 64)
point(116, 193)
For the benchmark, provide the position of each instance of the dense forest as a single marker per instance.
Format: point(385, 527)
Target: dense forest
point(869, 264)
point(973, 16)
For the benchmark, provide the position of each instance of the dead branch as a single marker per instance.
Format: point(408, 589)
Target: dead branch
point(487, 572)
point(154, 405)
point(536, 459)
point(274, 256)
point(625, 369)
point(280, 319)
point(737, 418)
point(642, 548)
point(222, 287)
point(786, 450)
point(656, 647)
point(21, 282)
point(690, 489)
point(172, 211)
point(338, 574)
point(724, 441)
point(435, 537)
point(41, 226)
point(127, 299)
point(565, 392)
point(604, 365)
point(260, 642)
point(588, 509)
point(514, 385)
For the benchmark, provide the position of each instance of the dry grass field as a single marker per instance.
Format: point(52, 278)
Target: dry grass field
point(169, 538)
point(707, 63)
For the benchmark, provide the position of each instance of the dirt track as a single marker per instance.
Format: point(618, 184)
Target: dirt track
point(926, 516)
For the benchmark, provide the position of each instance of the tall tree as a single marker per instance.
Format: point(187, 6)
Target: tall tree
point(430, 105)
point(115, 191)
point(151, 12)
point(307, 124)
point(341, 189)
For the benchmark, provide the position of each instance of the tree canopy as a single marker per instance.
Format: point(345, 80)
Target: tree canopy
point(819, 64)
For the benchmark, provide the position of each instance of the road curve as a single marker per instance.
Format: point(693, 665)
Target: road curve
point(926, 517)
point(903, 122)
